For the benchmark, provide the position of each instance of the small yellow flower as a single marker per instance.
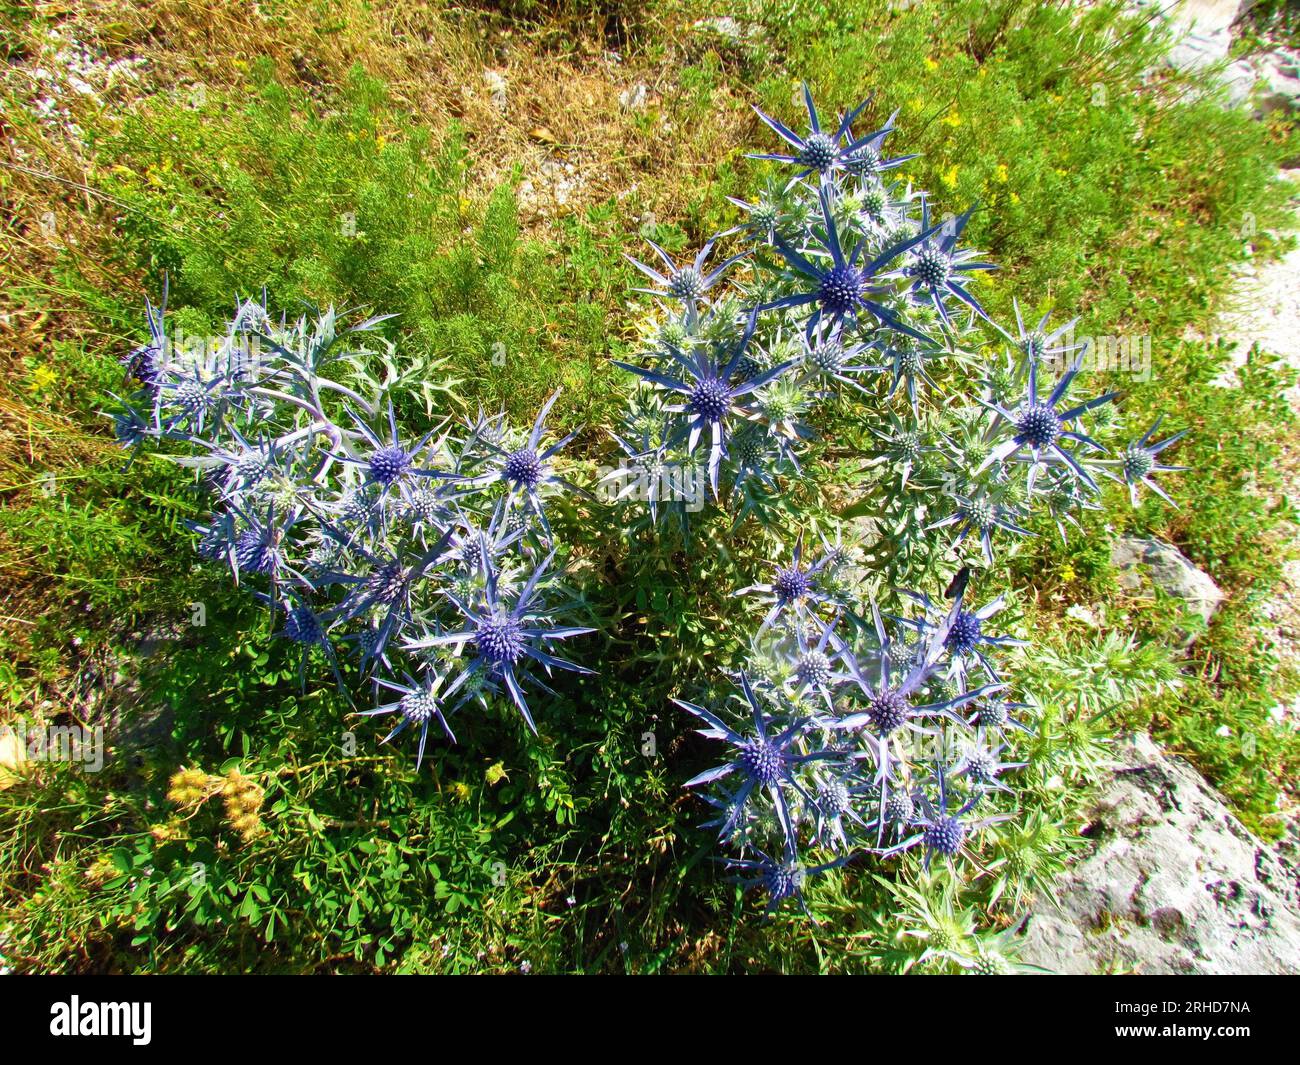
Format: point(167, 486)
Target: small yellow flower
point(460, 791)
point(42, 378)
point(952, 119)
point(949, 176)
point(931, 64)
point(1015, 198)
point(1002, 173)
point(1067, 573)
point(496, 773)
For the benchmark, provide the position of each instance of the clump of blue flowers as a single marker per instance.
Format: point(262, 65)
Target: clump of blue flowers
point(426, 557)
point(845, 343)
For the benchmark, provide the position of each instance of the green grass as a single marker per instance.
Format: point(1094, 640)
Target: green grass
point(578, 851)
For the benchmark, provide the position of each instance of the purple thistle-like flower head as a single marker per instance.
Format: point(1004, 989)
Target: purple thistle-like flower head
point(254, 551)
point(813, 668)
point(710, 399)
point(686, 283)
point(888, 711)
point(819, 153)
point(792, 583)
point(964, 634)
point(523, 467)
point(841, 288)
point(301, 625)
point(763, 761)
point(899, 807)
point(783, 881)
point(945, 835)
point(387, 582)
point(834, 798)
point(388, 464)
point(499, 639)
point(1136, 463)
point(932, 266)
point(980, 766)
point(1038, 425)
point(418, 706)
point(993, 714)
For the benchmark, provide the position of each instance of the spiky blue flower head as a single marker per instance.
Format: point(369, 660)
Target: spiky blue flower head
point(965, 633)
point(386, 582)
point(888, 711)
point(130, 428)
point(931, 267)
point(507, 631)
point(822, 153)
point(834, 798)
point(388, 464)
point(1141, 459)
point(899, 807)
point(993, 714)
point(944, 836)
point(783, 881)
point(255, 551)
point(301, 625)
point(1136, 462)
point(685, 283)
point(522, 467)
point(710, 399)
point(813, 668)
point(792, 583)
point(418, 706)
point(423, 505)
point(762, 761)
point(499, 639)
point(841, 289)
point(1038, 425)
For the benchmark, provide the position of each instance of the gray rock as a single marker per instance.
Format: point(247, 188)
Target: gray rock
point(1174, 884)
point(1145, 563)
point(1279, 83)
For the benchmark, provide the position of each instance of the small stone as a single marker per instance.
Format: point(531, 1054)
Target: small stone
point(1142, 562)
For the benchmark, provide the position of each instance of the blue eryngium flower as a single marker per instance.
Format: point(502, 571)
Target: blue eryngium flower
point(765, 761)
point(967, 639)
point(1139, 461)
point(890, 709)
point(418, 703)
point(937, 266)
point(943, 833)
point(823, 153)
point(981, 515)
point(686, 284)
point(791, 587)
point(844, 288)
point(781, 880)
point(710, 394)
point(505, 635)
point(526, 470)
point(1039, 426)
